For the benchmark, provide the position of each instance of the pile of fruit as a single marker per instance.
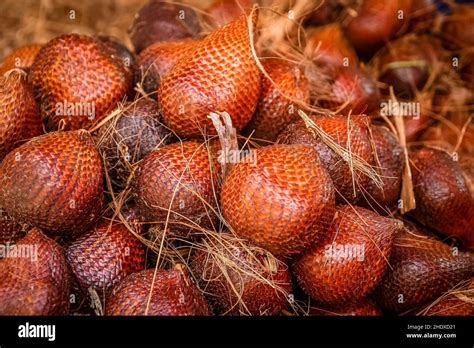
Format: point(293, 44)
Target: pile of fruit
point(279, 158)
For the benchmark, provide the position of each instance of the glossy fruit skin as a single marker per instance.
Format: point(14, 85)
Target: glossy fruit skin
point(421, 270)
point(118, 50)
point(376, 22)
point(105, 255)
point(156, 60)
point(456, 303)
point(255, 296)
point(72, 69)
point(363, 308)
point(54, 182)
point(190, 91)
point(20, 118)
point(274, 109)
point(222, 12)
point(20, 58)
point(328, 47)
point(160, 21)
point(353, 88)
point(337, 128)
point(174, 294)
point(132, 135)
point(334, 278)
point(10, 230)
point(283, 201)
point(176, 176)
point(35, 285)
point(389, 162)
point(443, 199)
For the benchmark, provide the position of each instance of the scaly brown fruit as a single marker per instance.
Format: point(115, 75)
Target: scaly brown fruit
point(163, 21)
point(443, 198)
point(239, 279)
point(169, 293)
point(54, 182)
point(20, 118)
point(389, 163)
point(275, 110)
point(129, 137)
point(35, 280)
point(351, 260)
point(190, 91)
point(77, 81)
point(177, 184)
point(20, 58)
point(155, 61)
point(105, 255)
point(421, 269)
point(282, 199)
point(350, 134)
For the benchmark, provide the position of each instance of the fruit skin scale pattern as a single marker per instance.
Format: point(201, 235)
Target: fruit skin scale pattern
point(444, 200)
point(220, 75)
point(334, 278)
point(274, 110)
point(422, 269)
point(21, 57)
point(37, 284)
point(178, 174)
point(20, 117)
point(284, 203)
point(158, 59)
point(79, 71)
point(54, 182)
point(230, 277)
point(341, 132)
point(174, 294)
point(105, 255)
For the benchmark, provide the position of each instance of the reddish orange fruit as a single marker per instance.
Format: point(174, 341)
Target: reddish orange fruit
point(105, 255)
point(20, 58)
point(328, 47)
point(282, 199)
point(351, 135)
point(77, 81)
point(239, 279)
point(351, 260)
point(177, 183)
point(351, 90)
point(375, 22)
point(20, 118)
point(54, 182)
point(118, 50)
point(37, 282)
point(10, 230)
point(155, 61)
point(191, 90)
point(443, 198)
point(169, 293)
point(456, 302)
point(422, 269)
point(275, 110)
point(221, 12)
point(389, 162)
